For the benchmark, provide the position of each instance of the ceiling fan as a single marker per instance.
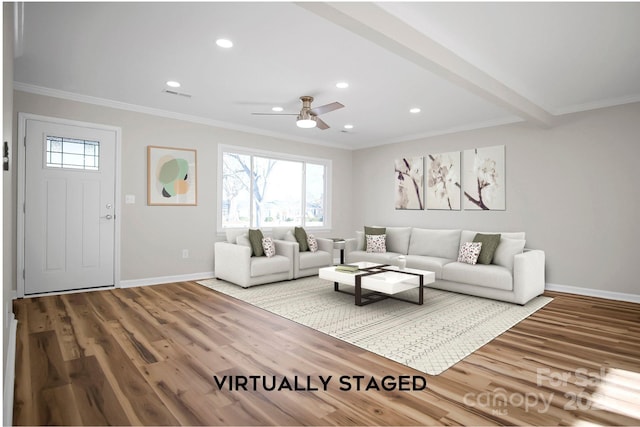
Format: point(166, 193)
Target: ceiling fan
point(308, 117)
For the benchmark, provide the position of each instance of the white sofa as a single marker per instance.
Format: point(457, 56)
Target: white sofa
point(233, 261)
point(515, 275)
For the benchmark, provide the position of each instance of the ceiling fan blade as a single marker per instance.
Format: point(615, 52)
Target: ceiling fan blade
point(320, 123)
point(326, 108)
point(274, 114)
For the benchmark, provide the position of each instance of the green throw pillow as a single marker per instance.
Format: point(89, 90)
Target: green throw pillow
point(301, 238)
point(489, 244)
point(255, 238)
point(372, 231)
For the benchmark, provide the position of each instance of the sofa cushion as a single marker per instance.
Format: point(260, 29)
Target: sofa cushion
point(261, 266)
point(506, 250)
point(255, 238)
point(398, 239)
point(376, 243)
point(314, 259)
point(301, 238)
point(380, 258)
point(372, 231)
point(469, 252)
point(436, 243)
point(428, 263)
point(289, 237)
point(489, 245)
point(278, 233)
point(488, 276)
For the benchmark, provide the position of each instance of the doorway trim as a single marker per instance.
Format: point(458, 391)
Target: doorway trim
point(22, 132)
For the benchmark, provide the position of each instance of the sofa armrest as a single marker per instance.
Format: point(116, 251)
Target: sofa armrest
point(350, 245)
point(325, 245)
point(285, 248)
point(528, 275)
point(232, 262)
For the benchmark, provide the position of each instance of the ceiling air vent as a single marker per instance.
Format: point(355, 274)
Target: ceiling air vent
point(173, 92)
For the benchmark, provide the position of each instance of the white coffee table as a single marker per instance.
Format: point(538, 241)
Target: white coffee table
point(382, 281)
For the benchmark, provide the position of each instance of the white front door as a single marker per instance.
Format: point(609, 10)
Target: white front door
point(69, 212)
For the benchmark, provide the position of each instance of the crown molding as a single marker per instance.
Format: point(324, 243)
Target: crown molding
point(110, 103)
point(595, 105)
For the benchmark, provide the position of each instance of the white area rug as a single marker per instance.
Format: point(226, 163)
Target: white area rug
point(430, 337)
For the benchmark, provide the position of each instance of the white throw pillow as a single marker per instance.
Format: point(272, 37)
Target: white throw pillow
point(233, 233)
point(269, 247)
point(312, 242)
point(469, 252)
point(243, 240)
point(289, 237)
point(376, 243)
point(506, 250)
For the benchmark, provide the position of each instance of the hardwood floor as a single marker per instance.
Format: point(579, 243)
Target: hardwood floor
point(148, 356)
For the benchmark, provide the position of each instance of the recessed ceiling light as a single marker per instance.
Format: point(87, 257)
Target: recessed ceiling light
point(348, 126)
point(342, 85)
point(225, 43)
point(172, 83)
point(277, 109)
point(415, 110)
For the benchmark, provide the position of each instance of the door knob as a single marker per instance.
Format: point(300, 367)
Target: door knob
point(108, 216)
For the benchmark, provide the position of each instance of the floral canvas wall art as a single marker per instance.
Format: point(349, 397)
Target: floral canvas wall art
point(409, 183)
point(443, 181)
point(484, 178)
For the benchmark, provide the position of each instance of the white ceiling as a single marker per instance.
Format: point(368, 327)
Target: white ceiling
point(466, 65)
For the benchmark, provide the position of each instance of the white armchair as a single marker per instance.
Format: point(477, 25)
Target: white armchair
point(308, 263)
point(235, 264)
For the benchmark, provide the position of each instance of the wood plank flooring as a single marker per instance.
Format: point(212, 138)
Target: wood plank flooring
point(147, 356)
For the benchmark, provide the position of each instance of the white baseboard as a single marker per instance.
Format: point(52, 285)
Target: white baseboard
point(10, 373)
point(165, 279)
point(618, 296)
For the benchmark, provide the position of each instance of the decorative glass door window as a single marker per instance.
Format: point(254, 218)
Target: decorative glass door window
point(72, 153)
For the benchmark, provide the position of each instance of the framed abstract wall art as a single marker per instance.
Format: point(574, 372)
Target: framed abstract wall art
point(171, 176)
point(409, 183)
point(443, 181)
point(484, 178)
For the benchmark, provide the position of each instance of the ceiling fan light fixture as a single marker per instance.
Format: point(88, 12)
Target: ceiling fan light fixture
point(306, 123)
point(224, 43)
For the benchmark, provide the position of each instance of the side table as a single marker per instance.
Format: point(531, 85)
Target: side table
point(339, 243)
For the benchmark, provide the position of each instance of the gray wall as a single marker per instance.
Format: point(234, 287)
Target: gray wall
point(153, 236)
point(570, 187)
point(573, 188)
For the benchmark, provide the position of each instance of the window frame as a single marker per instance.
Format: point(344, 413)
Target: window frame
point(252, 152)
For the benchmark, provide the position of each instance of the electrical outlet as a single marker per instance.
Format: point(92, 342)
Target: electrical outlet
point(185, 253)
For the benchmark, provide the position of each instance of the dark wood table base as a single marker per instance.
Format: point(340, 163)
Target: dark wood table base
point(374, 296)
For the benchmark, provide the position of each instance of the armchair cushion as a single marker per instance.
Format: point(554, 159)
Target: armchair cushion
point(255, 237)
point(262, 266)
point(313, 243)
point(314, 260)
point(269, 247)
point(301, 238)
